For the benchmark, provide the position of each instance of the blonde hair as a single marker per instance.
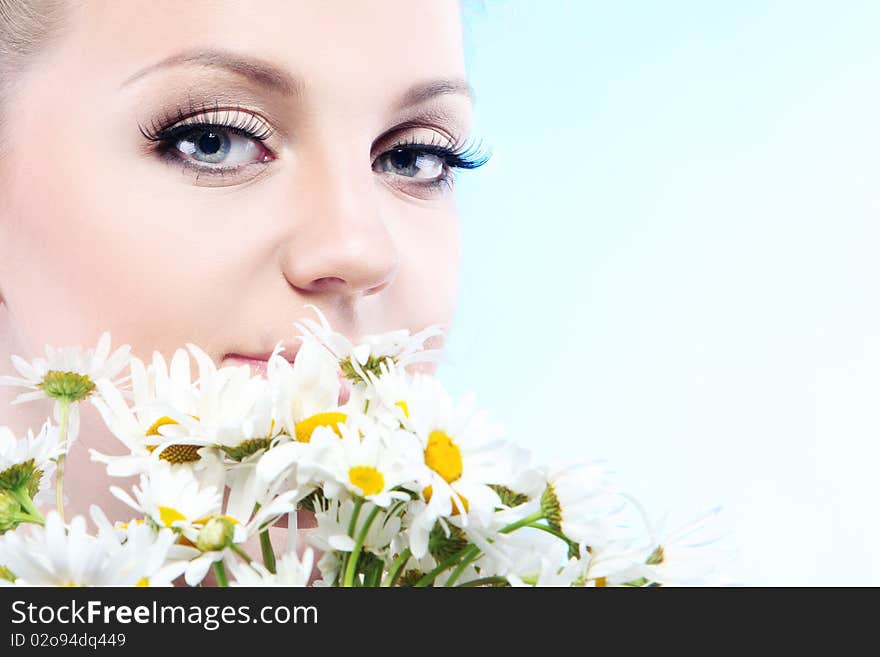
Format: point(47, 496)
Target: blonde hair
point(27, 28)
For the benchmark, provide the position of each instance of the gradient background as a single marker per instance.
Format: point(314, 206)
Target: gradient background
point(670, 262)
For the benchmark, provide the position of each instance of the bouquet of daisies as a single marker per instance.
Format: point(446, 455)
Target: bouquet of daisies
point(408, 486)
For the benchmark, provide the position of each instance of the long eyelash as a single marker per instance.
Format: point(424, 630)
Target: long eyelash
point(464, 156)
point(235, 119)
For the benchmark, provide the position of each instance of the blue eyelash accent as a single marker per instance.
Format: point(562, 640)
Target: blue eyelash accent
point(466, 156)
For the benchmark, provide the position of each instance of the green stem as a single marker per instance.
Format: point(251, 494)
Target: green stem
point(429, 578)
point(59, 473)
point(466, 552)
point(244, 555)
point(528, 520)
point(484, 580)
point(19, 518)
point(27, 503)
point(396, 567)
point(374, 574)
point(352, 525)
point(268, 552)
point(220, 570)
point(351, 567)
point(558, 534)
point(469, 559)
point(393, 510)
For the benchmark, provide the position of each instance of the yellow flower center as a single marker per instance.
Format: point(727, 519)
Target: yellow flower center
point(367, 478)
point(161, 422)
point(178, 454)
point(429, 492)
point(601, 582)
point(168, 515)
point(305, 428)
point(143, 581)
point(443, 456)
point(403, 406)
point(173, 453)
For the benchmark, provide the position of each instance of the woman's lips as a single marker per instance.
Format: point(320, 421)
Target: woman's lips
point(260, 366)
point(344, 389)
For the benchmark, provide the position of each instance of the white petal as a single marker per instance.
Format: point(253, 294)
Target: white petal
point(341, 542)
point(198, 568)
point(277, 460)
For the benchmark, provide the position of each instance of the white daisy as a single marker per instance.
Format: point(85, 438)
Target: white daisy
point(162, 566)
point(51, 556)
point(687, 556)
point(306, 392)
point(248, 492)
point(20, 458)
point(224, 416)
point(334, 523)
point(67, 375)
point(235, 410)
point(173, 498)
point(386, 395)
point(400, 347)
point(369, 465)
point(290, 571)
point(550, 574)
point(296, 458)
point(464, 452)
point(155, 388)
point(68, 372)
point(580, 501)
point(176, 498)
point(501, 549)
point(615, 563)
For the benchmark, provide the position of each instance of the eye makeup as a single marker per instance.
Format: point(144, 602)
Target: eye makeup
point(224, 145)
point(407, 153)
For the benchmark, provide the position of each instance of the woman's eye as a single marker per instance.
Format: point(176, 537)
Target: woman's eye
point(411, 163)
point(219, 146)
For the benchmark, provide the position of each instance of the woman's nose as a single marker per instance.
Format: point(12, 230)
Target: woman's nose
point(339, 242)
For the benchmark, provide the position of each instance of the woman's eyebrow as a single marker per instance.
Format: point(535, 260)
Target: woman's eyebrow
point(278, 79)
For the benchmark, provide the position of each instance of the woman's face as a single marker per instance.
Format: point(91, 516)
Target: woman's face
point(200, 171)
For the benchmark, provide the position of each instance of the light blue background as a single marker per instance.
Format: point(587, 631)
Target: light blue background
point(671, 261)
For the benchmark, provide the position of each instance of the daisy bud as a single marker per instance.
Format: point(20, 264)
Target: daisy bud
point(9, 509)
point(215, 535)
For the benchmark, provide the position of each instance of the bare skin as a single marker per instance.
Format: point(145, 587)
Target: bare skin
point(216, 237)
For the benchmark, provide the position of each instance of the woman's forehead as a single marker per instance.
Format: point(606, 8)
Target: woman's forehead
point(352, 51)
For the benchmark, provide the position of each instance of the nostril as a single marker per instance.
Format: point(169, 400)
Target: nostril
point(328, 284)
